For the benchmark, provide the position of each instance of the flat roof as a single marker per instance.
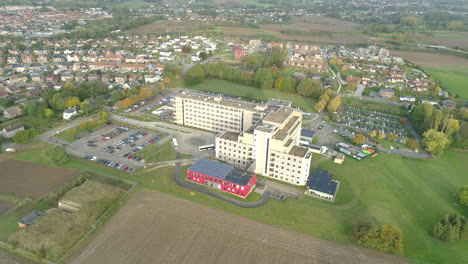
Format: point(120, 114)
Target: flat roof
point(221, 171)
point(322, 181)
point(222, 101)
point(233, 136)
point(282, 133)
point(307, 133)
point(279, 116)
point(298, 151)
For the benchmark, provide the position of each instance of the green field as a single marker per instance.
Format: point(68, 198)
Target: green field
point(452, 77)
point(132, 4)
point(157, 153)
point(387, 189)
point(250, 92)
point(70, 134)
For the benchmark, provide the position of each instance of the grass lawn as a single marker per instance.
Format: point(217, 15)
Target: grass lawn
point(250, 92)
point(387, 189)
point(70, 134)
point(157, 153)
point(452, 77)
point(132, 4)
point(9, 222)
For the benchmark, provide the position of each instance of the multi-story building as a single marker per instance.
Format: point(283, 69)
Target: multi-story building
point(216, 113)
point(270, 147)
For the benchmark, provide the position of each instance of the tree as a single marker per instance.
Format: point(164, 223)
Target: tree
point(434, 141)
point(385, 237)
point(351, 86)
point(382, 136)
point(308, 87)
point(334, 103)
point(279, 84)
point(69, 86)
point(393, 137)
point(48, 112)
point(289, 85)
point(264, 78)
point(31, 109)
point(25, 136)
point(452, 227)
point(116, 96)
point(320, 105)
point(325, 97)
point(58, 155)
point(85, 107)
point(373, 134)
point(99, 100)
point(359, 139)
point(455, 25)
point(195, 75)
point(73, 101)
point(412, 143)
point(463, 195)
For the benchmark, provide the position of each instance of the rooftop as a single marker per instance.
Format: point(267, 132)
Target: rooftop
point(307, 133)
point(13, 127)
point(299, 151)
point(321, 180)
point(221, 171)
point(233, 136)
point(282, 133)
point(29, 219)
point(279, 116)
point(223, 101)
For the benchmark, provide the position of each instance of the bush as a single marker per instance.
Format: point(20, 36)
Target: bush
point(59, 155)
point(463, 195)
point(385, 237)
point(25, 136)
point(452, 227)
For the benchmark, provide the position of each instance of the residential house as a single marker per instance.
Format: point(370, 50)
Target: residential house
point(10, 131)
point(12, 112)
point(67, 77)
point(355, 79)
point(121, 78)
point(408, 98)
point(152, 78)
point(70, 112)
point(19, 78)
point(388, 93)
point(449, 104)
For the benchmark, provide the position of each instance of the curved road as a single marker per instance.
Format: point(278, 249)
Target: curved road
point(181, 182)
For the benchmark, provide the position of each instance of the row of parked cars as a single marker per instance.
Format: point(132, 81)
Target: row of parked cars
point(130, 154)
point(112, 135)
point(158, 103)
point(126, 141)
point(109, 163)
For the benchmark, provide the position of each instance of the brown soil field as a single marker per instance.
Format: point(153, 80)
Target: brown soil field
point(433, 60)
point(156, 228)
point(450, 39)
point(316, 23)
point(27, 179)
point(160, 27)
point(4, 206)
point(10, 258)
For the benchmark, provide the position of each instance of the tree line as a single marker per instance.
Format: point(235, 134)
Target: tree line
point(440, 128)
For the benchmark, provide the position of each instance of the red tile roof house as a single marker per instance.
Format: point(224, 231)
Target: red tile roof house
point(351, 78)
point(221, 176)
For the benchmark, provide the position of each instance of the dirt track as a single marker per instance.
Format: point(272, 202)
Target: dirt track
point(156, 228)
point(27, 179)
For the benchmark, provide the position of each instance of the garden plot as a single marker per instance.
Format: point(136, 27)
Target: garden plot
point(366, 121)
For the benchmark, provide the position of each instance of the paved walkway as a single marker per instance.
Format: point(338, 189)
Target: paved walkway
point(181, 182)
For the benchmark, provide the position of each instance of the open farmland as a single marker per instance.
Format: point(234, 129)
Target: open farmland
point(10, 258)
point(157, 228)
point(433, 60)
point(26, 179)
point(316, 23)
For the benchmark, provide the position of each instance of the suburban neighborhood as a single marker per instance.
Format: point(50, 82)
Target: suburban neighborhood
point(156, 131)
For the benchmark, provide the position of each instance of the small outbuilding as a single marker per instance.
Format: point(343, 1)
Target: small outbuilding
point(10, 131)
point(339, 158)
point(29, 219)
point(321, 184)
point(307, 135)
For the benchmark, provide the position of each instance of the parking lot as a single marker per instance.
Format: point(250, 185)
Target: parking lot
point(115, 146)
point(366, 121)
